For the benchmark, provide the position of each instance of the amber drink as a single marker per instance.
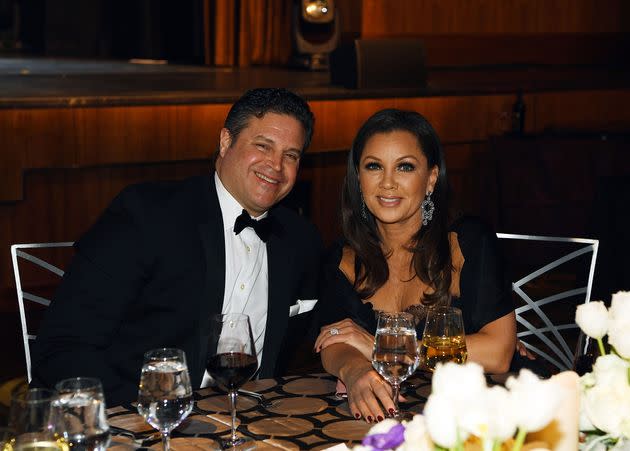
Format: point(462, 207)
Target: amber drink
point(443, 339)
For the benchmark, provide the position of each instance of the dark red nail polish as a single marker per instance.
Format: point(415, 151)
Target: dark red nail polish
point(369, 419)
point(357, 415)
point(392, 411)
point(379, 418)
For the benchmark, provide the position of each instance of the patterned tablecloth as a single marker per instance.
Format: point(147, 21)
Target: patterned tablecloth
point(306, 414)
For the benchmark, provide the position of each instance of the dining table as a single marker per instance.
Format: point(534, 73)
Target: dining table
point(297, 412)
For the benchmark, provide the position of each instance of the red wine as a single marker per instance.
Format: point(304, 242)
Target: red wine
point(232, 369)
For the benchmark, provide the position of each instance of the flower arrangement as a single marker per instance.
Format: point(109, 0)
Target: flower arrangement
point(605, 391)
point(463, 412)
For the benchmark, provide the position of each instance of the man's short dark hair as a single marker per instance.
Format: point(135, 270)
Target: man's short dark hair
point(260, 101)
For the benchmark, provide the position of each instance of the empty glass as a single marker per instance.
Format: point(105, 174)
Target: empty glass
point(29, 422)
point(78, 413)
point(165, 393)
point(443, 339)
point(395, 356)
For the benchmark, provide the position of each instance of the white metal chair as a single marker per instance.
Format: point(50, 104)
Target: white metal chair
point(536, 328)
point(20, 254)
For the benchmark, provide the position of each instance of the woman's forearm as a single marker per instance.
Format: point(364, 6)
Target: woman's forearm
point(494, 345)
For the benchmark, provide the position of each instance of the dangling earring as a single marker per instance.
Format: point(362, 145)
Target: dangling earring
point(427, 207)
point(363, 209)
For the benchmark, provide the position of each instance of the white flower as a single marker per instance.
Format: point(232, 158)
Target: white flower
point(383, 426)
point(416, 436)
point(608, 408)
point(592, 318)
point(619, 337)
point(620, 306)
point(611, 370)
point(534, 401)
point(440, 416)
point(458, 381)
point(501, 422)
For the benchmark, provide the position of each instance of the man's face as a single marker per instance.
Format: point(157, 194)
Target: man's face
point(260, 167)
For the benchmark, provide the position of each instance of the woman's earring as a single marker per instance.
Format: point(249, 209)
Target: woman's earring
point(427, 207)
point(363, 209)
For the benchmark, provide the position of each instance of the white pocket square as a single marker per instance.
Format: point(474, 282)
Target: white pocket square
point(302, 306)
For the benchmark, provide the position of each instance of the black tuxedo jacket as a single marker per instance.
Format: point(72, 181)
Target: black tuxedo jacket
point(150, 273)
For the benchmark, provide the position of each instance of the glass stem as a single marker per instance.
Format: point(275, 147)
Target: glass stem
point(232, 395)
point(166, 443)
point(395, 393)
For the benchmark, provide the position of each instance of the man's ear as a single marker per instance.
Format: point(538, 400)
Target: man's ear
point(225, 141)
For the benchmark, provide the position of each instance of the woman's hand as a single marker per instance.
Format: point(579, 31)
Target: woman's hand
point(368, 393)
point(523, 351)
point(348, 332)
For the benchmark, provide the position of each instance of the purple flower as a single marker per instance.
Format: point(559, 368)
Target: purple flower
point(388, 440)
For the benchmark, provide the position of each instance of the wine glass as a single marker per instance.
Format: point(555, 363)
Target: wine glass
point(165, 393)
point(78, 413)
point(29, 422)
point(396, 355)
point(231, 360)
point(443, 339)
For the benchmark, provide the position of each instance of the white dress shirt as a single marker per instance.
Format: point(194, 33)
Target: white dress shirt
point(246, 275)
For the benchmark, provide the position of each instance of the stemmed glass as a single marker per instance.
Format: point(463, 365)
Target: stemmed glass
point(165, 393)
point(396, 354)
point(78, 413)
point(29, 422)
point(443, 339)
point(231, 360)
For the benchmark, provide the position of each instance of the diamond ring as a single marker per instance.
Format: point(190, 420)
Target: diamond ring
point(334, 331)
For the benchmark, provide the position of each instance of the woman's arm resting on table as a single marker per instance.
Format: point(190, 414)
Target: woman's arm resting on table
point(493, 346)
point(365, 387)
point(348, 332)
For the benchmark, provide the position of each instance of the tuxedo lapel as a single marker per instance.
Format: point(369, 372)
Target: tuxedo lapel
point(280, 257)
point(212, 238)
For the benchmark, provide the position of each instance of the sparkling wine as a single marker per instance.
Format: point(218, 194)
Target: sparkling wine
point(232, 369)
point(164, 396)
point(443, 349)
point(395, 356)
point(36, 444)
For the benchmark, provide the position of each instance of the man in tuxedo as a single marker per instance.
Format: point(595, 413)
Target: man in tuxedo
point(166, 256)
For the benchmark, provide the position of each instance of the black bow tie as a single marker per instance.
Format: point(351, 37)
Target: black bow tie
point(262, 228)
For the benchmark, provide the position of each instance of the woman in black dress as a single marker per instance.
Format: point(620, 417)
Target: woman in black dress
point(401, 252)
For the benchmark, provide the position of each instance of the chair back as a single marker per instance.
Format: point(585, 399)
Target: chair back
point(37, 271)
point(558, 277)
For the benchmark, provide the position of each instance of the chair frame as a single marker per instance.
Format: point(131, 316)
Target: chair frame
point(564, 357)
point(17, 251)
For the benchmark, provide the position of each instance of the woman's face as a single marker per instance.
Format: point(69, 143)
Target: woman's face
point(395, 177)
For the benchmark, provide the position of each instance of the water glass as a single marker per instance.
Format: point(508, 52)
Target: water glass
point(443, 339)
point(78, 413)
point(165, 394)
point(29, 422)
point(395, 356)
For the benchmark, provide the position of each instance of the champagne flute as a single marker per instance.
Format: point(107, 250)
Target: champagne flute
point(29, 422)
point(396, 355)
point(78, 412)
point(165, 393)
point(443, 339)
point(231, 360)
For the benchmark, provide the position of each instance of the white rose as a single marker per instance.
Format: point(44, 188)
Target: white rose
point(592, 318)
point(416, 436)
point(440, 417)
point(619, 337)
point(534, 401)
point(620, 305)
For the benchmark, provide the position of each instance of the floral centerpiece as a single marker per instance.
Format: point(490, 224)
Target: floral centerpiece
point(463, 413)
point(605, 391)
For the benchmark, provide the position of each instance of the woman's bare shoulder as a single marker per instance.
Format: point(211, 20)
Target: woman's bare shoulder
point(346, 265)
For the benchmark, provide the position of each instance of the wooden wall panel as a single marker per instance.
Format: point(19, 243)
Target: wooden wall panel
point(404, 17)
